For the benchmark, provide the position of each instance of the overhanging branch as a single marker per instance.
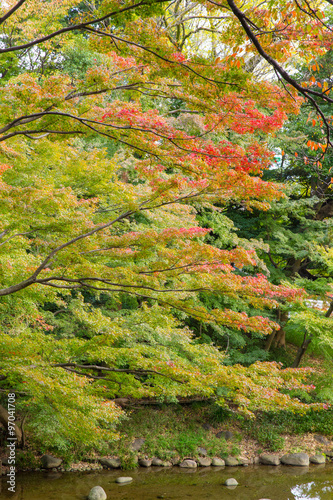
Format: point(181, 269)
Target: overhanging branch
point(138, 371)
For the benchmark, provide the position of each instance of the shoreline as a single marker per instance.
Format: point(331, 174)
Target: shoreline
point(203, 462)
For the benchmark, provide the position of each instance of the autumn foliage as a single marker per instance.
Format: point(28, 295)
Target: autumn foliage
point(105, 164)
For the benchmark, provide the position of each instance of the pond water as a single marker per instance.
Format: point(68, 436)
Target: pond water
point(255, 482)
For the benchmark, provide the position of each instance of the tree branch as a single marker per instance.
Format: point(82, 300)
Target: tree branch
point(242, 19)
point(32, 279)
point(68, 366)
point(12, 10)
point(76, 27)
point(146, 49)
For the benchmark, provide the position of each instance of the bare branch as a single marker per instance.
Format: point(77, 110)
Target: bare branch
point(12, 10)
point(14, 236)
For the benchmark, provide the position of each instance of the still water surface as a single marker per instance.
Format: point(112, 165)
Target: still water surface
point(255, 482)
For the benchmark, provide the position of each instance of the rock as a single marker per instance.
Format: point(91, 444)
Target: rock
point(318, 459)
point(157, 462)
point(321, 439)
point(329, 453)
point(267, 459)
point(49, 462)
point(231, 461)
point(231, 482)
point(137, 444)
point(256, 461)
point(111, 463)
point(244, 461)
point(227, 435)
point(124, 480)
point(97, 493)
point(175, 461)
point(299, 459)
point(145, 462)
point(218, 462)
point(202, 451)
point(204, 461)
point(207, 427)
point(190, 464)
point(166, 464)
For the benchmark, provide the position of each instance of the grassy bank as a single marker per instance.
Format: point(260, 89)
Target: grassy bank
point(173, 432)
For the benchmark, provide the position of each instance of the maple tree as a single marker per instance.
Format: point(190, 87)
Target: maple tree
point(103, 168)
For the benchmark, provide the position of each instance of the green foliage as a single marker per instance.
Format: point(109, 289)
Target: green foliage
point(286, 422)
point(78, 58)
point(269, 439)
point(26, 459)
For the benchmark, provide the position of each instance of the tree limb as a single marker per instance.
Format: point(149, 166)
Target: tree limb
point(12, 10)
point(76, 27)
point(68, 366)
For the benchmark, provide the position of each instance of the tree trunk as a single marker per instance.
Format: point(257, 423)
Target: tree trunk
point(329, 310)
point(295, 266)
point(301, 351)
point(269, 340)
point(23, 433)
point(280, 338)
point(4, 422)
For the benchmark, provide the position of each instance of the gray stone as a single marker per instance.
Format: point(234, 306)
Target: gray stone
point(202, 451)
point(256, 461)
point(137, 444)
point(231, 461)
point(145, 462)
point(267, 459)
point(218, 462)
point(207, 427)
point(111, 463)
point(49, 462)
point(318, 459)
point(204, 461)
point(124, 480)
point(167, 464)
point(329, 453)
point(157, 462)
point(321, 439)
point(243, 461)
point(97, 493)
point(190, 464)
point(299, 459)
point(227, 435)
point(231, 482)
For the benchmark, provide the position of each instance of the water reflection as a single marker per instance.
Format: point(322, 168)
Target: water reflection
point(276, 483)
point(310, 491)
